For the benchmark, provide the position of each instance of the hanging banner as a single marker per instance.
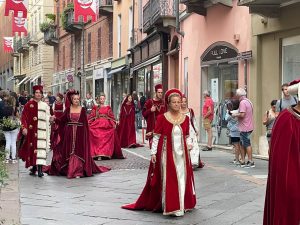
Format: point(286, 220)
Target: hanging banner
point(86, 9)
point(8, 44)
point(16, 6)
point(19, 25)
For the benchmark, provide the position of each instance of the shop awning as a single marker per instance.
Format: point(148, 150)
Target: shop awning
point(117, 70)
point(11, 78)
point(53, 85)
point(146, 63)
point(34, 78)
point(22, 81)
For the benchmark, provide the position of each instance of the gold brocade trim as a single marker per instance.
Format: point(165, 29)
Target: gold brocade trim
point(164, 172)
point(175, 122)
point(102, 156)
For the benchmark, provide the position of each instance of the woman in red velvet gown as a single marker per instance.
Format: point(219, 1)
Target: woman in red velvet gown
point(56, 132)
point(126, 128)
point(282, 203)
point(75, 156)
point(104, 139)
point(170, 182)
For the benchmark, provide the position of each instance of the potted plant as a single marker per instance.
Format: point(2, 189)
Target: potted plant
point(64, 16)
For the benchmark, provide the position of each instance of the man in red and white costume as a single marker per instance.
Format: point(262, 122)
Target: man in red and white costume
point(152, 109)
point(35, 121)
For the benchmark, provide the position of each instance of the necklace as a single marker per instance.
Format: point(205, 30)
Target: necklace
point(176, 120)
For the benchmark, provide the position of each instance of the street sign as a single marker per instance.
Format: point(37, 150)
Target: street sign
point(245, 55)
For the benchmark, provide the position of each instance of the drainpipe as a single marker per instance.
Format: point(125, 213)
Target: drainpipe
point(177, 19)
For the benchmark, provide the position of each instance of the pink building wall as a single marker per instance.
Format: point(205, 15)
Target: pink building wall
point(220, 24)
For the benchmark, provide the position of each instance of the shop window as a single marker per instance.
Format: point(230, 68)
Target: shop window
point(290, 59)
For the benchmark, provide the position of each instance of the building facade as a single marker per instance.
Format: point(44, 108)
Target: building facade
point(33, 59)
point(276, 56)
point(82, 51)
point(205, 54)
point(6, 59)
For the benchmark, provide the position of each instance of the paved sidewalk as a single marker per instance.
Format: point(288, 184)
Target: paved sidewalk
point(225, 194)
point(10, 199)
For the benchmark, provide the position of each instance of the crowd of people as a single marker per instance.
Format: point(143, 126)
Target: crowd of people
point(79, 133)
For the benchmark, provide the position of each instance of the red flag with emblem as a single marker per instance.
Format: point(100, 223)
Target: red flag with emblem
point(19, 25)
point(8, 44)
point(86, 9)
point(16, 6)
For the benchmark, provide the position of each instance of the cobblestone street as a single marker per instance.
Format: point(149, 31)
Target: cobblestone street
point(225, 194)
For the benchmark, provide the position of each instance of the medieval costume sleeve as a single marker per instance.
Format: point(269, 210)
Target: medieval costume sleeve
point(282, 203)
point(170, 182)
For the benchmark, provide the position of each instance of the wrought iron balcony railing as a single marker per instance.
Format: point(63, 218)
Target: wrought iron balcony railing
point(105, 7)
point(50, 37)
point(72, 26)
point(155, 11)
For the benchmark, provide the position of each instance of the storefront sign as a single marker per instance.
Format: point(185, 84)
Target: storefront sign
point(219, 52)
point(98, 74)
point(215, 89)
point(245, 55)
point(70, 77)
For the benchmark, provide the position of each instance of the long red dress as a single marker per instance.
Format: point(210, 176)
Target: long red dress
point(282, 204)
point(75, 156)
point(55, 138)
point(126, 128)
point(170, 182)
point(103, 135)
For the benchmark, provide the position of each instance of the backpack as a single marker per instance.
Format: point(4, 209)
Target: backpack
point(280, 103)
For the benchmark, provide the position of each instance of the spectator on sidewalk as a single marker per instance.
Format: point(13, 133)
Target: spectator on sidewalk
point(10, 125)
point(282, 202)
point(51, 98)
point(269, 120)
point(208, 116)
point(287, 100)
point(246, 126)
point(170, 184)
point(234, 133)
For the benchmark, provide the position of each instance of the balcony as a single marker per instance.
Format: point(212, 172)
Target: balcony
point(105, 7)
point(72, 26)
point(200, 6)
point(158, 14)
point(50, 37)
point(267, 8)
point(32, 40)
point(22, 45)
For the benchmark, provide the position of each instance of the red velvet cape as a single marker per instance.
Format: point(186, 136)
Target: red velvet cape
point(74, 155)
point(30, 122)
point(282, 203)
point(151, 196)
point(103, 135)
point(126, 128)
point(151, 117)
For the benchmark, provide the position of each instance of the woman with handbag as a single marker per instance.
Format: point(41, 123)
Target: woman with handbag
point(269, 120)
point(10, 125)
point(170, 186)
